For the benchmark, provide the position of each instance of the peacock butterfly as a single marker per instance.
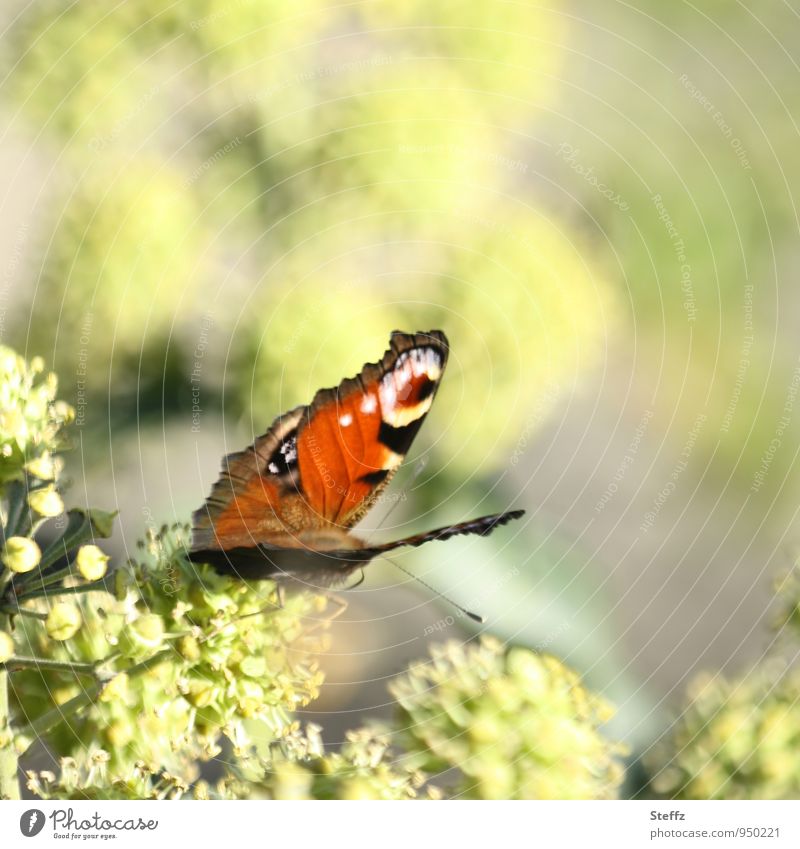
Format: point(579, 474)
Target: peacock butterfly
point(285, 507)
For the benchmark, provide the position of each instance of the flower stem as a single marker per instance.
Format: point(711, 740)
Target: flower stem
point(9, 780)
point(47, 592)
point(18, 662)
point(22, 611)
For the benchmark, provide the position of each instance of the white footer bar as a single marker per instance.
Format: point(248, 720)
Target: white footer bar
point(196, 825)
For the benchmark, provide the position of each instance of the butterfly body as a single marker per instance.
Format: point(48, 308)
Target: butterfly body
point(285, 507)
point(328, 566)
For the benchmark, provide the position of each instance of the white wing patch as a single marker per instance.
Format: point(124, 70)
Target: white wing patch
point(397, 384)
point(369, 403)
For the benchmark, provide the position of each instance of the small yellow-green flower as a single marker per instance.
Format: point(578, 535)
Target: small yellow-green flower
point(189, 648)
point(116, 689)
point(21, 554)
point(200, 693)
point(91, 562)
point(46, 502)
point(255, 666)
point(43, 467)
point(148, 630)
point(6, 646)
point(63, 621)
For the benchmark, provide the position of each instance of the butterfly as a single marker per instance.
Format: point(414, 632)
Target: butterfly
point(285, 507)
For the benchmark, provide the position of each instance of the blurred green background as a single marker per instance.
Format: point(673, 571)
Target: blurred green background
point(211, 209)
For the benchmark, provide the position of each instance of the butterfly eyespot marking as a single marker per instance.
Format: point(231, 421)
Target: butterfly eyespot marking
point(283, 461)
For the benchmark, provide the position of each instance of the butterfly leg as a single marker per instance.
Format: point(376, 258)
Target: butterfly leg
point(271, 606)
point(341, 603)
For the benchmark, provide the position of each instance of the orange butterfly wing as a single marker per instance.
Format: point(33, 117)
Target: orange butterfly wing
point(319, 468)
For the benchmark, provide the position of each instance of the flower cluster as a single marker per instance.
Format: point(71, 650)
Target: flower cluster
point(516, 725)
point(88, 776)
point(31, 420)
point(183, 655)
point(365, 767)
point(736, 739)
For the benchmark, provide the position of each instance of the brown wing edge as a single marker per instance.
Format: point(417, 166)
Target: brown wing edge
point(373, 372)
point(237, 469)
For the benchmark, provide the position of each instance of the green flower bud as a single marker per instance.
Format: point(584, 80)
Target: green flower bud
point(91, 562)
point(253, 666)
point(21, 554)
point(6, 646)
point(116, 689)
point(46, 502)
point(196, 594)
point(529, 671)
point(22, 742)
point(200, 693)
point(189, 648)
point(35, 407)
point(148, 630)
point(103, 522)
point(63, 621)
point(122, 582)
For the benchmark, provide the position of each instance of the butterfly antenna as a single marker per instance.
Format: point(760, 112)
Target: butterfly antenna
point(358, 583)
point(473, 616)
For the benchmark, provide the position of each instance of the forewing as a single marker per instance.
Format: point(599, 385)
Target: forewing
point(321, 467)
point(357, 435)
